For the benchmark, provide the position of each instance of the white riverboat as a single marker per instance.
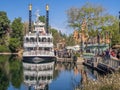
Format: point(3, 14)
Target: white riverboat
point(38, 43)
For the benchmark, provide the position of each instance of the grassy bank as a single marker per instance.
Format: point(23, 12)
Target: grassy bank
point(108, 82)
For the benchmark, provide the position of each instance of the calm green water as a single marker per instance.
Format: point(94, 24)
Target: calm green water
point(18, 75)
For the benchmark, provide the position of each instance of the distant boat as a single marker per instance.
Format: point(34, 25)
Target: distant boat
point(38, 43)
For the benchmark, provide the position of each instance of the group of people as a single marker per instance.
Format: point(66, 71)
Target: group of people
point(112, 53)
point(115, 54)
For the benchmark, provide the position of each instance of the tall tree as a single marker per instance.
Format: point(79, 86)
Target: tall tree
point(4, 27)
point(70, 40)
point(16, 39)
point(17, 29)
point(56, 36)
point(95, 15)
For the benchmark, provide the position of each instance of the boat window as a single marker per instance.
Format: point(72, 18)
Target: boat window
point(40, 48)
point(27, 40)
point(26, 77)
point(48, 77)
point(33, 39)
point(32, 77)
point(40, 39)
point(47, 49)
point(43, 39)
point(49, 40)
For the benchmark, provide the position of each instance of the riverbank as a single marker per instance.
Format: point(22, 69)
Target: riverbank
point(19, 53)
point(8, 53)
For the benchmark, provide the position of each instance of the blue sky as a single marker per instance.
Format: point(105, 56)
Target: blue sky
point(58, 8)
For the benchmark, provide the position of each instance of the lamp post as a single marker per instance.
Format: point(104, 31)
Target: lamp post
point(81, 43)
point(110, 37)
point(30, 17)
point(47, 18)
point(105, 33)
point(98, 41)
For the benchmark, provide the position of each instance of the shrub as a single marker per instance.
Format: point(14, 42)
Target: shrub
point(4, 49)
point(14, 44)
point(108, 82)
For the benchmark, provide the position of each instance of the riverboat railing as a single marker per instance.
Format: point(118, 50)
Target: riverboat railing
point(38, 53)
point(40, 34)
point(40, 44)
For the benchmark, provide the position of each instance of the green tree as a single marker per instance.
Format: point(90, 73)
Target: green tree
point(59, 36)
point(16, 39)
point(56, 36)
point(115, 35)
point(96, 19)
point(14, 44)
point(4, 28)
point(42, 19)
point(17, 29)
point(70, 40)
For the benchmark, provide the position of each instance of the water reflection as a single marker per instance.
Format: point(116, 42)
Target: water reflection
point(38, 76)
point(68, 77)
point(10, 72)
point(18, 75)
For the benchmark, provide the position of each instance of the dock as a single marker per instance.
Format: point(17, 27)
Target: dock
point(105, 66)
point(78, 60)
point(98, 63)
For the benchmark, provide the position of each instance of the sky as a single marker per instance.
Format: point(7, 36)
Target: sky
point(58, 8)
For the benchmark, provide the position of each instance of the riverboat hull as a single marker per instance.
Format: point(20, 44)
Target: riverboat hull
point(38, 59)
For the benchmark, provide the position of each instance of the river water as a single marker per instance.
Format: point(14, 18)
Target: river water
point(18, 75)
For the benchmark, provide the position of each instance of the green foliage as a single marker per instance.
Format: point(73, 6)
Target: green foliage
point(42, 19)
point(4, 49)
point(70, 40)
point(10, 71)
point(59, 36)
point(3, 58)
point(97, 19)
point(14, 44)
point(4, 80)
point(115, 33)
point(4, 75)
point(95, 16)
point(17, 29)
point(4, 27)
point(16, 72)
point(4, 23)
point(56, 36)
point(16, 39)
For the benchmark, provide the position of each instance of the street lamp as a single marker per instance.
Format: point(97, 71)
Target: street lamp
point(98, 41)
point(110, 37)
point(81, 43)
point(105, 34)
